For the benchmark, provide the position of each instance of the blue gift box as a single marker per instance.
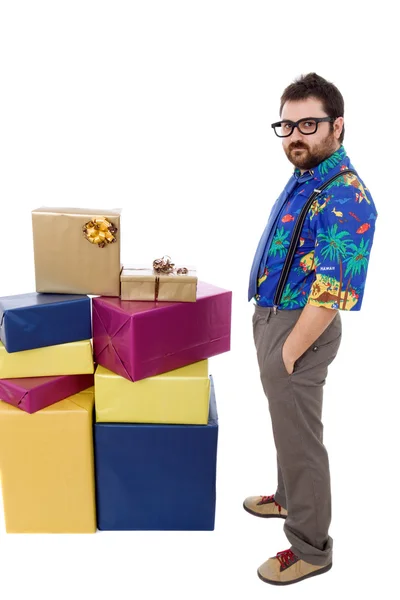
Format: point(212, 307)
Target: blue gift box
point(29, 321)
point(156, 477)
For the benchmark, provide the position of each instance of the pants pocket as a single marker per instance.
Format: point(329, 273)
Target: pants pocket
point(280, 362)
point(324, 349)
point(321, 352)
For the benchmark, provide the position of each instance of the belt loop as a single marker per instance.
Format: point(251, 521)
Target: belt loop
point(269, 314)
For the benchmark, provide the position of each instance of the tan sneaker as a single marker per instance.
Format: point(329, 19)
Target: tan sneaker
point(286, 568)
point(264, 506)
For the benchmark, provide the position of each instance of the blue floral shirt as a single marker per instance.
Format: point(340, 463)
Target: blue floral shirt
point(330, 264)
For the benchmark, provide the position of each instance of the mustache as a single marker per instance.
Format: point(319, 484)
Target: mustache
point(297, 147)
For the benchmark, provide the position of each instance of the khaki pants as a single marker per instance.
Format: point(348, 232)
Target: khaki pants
point(295, 405)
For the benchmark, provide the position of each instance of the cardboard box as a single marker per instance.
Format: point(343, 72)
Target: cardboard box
point(156, 477)
point(66, 260)
point(35, 393)
point(29, 321)
point(74, 358)
point(139, 283)
point(179, 396)
point(47, 467)
point(140, 339)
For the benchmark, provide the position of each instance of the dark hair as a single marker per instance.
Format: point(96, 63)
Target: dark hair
point(313, 85)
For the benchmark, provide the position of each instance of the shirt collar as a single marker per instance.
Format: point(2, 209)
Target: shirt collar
point(321, 171)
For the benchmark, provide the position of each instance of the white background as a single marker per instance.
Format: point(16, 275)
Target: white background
point(164, 109)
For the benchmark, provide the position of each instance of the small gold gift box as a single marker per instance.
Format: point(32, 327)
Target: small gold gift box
point(77, 250)
point(164, 283)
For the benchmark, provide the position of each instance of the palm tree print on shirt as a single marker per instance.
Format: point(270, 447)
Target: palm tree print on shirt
point(335, 250)
point(356, 263)
point(279, 243)
point(290, 297)
point(332, 161)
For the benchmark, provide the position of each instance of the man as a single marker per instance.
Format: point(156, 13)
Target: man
point(296, 322)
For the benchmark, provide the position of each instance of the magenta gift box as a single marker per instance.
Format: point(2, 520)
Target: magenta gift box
point(139, 339)
point(31, 394)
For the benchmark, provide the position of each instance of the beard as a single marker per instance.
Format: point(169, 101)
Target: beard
point(309, 158)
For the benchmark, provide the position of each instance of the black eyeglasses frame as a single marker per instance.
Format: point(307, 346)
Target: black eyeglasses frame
point(296, 124)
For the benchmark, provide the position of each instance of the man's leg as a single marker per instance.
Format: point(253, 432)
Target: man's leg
point(295, 404)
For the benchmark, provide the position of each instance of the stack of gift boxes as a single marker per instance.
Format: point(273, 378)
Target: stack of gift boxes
point(108, 416)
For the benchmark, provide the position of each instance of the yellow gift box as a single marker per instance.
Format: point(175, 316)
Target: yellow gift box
point(77, 250)
point(74, 358)
point(180, 396)
point(142, 283)
point(47, 467)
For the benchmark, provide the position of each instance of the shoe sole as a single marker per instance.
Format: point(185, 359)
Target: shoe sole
point(256, 514)
point(319, 572)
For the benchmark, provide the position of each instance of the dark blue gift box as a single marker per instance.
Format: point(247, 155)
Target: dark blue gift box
point(29, 321)
point(156, 477)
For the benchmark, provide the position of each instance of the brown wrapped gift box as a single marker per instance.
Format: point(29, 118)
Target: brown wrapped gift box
point(139, 283)
point(66, 262)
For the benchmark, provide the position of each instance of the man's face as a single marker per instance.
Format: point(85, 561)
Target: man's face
point(307, 151)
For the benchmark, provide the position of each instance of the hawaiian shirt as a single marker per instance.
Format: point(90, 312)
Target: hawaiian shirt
point(330, 264)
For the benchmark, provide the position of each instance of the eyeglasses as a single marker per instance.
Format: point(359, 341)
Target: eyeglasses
point(307, 126)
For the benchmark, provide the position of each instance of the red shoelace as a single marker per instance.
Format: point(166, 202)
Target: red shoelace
point(265, 499)
point(286, 558)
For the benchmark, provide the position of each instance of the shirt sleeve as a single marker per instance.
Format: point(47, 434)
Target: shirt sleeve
point(343, 220)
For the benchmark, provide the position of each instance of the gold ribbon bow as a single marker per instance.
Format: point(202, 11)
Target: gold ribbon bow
point(100, 231)
point(164, 265)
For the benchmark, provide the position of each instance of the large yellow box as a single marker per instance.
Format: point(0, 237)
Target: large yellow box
point(74, 358)
point(47, 467)
point(180, 396)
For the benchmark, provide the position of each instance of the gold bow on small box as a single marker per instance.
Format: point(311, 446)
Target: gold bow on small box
point(163, 282)
point(100, 231)
point(164, 265)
